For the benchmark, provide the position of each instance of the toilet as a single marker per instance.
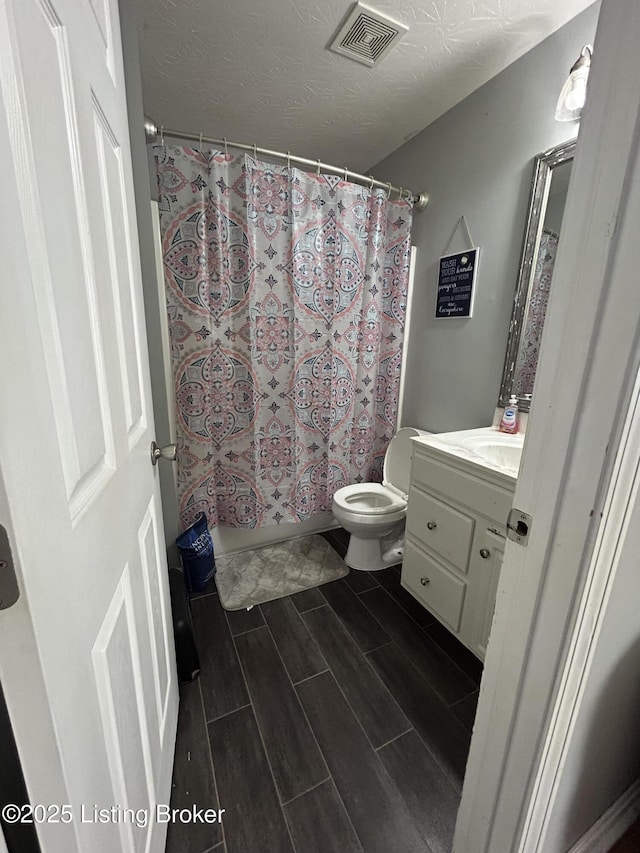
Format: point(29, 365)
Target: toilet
point(373, 513)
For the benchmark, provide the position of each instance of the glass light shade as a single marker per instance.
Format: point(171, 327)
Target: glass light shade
point(572, 96)
point(574, 91)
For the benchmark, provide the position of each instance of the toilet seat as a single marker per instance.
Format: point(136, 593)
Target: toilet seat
point(369, 499)
point(371, 512)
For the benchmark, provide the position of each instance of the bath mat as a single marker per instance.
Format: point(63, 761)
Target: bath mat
point(274, 571)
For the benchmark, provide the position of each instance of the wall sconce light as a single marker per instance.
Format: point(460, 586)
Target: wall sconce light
point(574, 91)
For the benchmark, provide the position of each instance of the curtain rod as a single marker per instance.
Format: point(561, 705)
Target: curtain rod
point(152, 132)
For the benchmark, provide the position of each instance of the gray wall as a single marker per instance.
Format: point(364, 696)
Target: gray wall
point(152, 306)
point(477, 160)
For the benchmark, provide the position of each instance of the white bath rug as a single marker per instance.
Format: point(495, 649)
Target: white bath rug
point(253, 577)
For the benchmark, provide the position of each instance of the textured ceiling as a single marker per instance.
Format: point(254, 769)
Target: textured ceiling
point(258, 70)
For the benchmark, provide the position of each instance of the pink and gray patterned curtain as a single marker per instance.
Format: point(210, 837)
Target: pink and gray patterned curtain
point(536, 312)
point(286, 295)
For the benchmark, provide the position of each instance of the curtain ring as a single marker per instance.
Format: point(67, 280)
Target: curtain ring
point(162, 135)
point(255, 152)
point(200, 140)
point(318, 168)
point(345, 174)
point(289, 160)
point(388, 190)
point(400, 194)
point(226, 150)
point(371, 184)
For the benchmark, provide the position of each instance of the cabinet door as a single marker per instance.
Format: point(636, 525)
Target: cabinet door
point(441, 527)
point(484, 567)
point(436, 588)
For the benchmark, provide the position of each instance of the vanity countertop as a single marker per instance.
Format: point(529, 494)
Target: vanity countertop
point(486, 448)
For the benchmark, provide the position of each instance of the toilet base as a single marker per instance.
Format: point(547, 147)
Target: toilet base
point(365, 555)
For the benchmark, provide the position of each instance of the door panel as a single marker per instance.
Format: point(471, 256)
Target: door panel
point(153, 564)
point(118, 264)
point(116, 660)
point(61, 258)
point(82, 495)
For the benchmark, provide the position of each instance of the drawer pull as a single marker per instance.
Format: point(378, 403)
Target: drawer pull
point(424, 581)
point(484, 553)
point(431, 525)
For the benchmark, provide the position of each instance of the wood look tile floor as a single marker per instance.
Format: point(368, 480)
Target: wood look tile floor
point(334, 720)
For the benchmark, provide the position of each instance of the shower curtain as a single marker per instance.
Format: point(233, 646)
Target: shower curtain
point(536, 312)
point(286, 296)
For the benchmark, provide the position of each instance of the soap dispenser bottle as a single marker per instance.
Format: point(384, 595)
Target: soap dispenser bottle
point(509, 421)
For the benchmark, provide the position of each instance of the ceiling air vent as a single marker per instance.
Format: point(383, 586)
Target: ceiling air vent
point(367, 35)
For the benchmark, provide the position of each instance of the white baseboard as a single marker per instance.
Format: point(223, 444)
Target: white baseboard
point(612, 824)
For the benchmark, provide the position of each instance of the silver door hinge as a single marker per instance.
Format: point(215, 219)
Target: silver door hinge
point(519, 526)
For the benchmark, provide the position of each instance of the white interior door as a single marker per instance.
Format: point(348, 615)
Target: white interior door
point(86, 655)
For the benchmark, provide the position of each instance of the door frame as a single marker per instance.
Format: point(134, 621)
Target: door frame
point(154, 306)
point(577, 477)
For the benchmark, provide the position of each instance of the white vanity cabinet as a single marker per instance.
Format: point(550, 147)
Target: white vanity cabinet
point(455, 535)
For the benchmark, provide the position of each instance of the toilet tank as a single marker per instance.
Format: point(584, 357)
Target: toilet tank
point(396, 471)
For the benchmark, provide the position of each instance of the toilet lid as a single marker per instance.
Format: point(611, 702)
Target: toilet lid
point(397, 461)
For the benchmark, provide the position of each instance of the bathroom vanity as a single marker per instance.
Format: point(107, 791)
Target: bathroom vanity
point(460, 494)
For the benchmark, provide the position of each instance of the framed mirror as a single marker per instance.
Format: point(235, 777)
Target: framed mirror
point(551, 174)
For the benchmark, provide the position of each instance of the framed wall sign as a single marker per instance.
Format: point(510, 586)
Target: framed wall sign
point(456, 284)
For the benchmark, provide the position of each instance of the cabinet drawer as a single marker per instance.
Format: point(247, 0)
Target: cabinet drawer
point(441, 527)
point(433, 585)
point(480, 492)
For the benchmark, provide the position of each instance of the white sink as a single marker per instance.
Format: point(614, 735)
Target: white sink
point(501, 451)
point(485, 447)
